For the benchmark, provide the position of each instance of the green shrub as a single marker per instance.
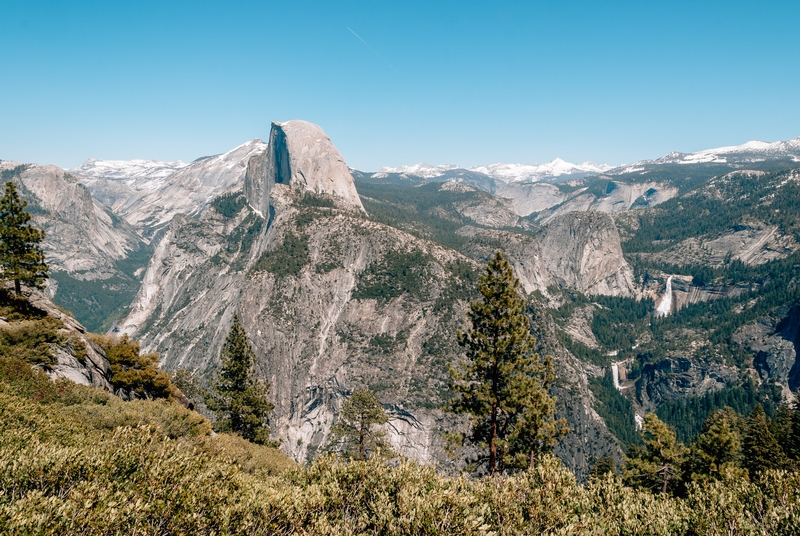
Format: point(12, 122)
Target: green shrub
point(229, 205)
point(396, 273)
point(134, 372)
point(287, 259)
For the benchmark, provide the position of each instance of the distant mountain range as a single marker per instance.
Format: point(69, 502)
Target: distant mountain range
point(150, 174)
point(559, 170)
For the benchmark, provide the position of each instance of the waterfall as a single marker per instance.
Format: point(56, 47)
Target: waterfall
point(665, 306)
point(615, 375)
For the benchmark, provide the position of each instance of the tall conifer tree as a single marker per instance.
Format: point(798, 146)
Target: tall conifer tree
point(21, 255)
point(657, 465)
point(717, 451)
point(356, 428)
point(761, 449)
point(239, 400)
point(503, 383)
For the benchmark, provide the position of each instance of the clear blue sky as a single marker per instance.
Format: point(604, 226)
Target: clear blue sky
point(460, 82)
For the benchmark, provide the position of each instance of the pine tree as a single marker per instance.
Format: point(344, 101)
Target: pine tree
point(761, 449)
point(717, 452)
point(355, 430)
point(21, 256)
point(603, 466)
point(657, 464)
point(793, 441)
point(502, 383)
point(239, 400)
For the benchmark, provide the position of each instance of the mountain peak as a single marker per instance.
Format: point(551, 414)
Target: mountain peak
point(303, 157)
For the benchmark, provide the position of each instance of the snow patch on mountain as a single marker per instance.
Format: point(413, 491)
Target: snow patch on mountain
point(138, 174)
point(499, 171)
point(752, 151)
point(425, 171)
point(538, 172)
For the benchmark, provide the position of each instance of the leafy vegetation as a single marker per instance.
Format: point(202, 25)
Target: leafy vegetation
point(287, 259)
point(135, 373)
point(21, 255)
point(62, 474)
point(424, 211)
point(357, 431)
point(395, 273)
point(620, 320)
point(96, 303)
point(229, 205)
point(239, 399)
point(502, 384)
point(719, 206)
point(31, 335)
point(99, 303)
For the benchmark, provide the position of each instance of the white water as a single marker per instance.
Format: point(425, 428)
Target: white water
point(665, 306)
point(615, 375)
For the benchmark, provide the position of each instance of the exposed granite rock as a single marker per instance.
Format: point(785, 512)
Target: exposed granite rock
point(302, 157)
point(94, 369)
point(81, 237)
point(582, 251)
point(317, 291)
point(589, 438)
point(528, 198)
point(678, 378)
point(188, 190)
point(615, 197)
point(774, 342)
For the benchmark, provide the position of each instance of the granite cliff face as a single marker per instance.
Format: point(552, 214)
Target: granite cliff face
point(332, 301)
point(582, 251)
point(775, 340)
point(301, 157)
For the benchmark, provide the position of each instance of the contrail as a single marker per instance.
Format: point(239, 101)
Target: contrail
point(372, 49)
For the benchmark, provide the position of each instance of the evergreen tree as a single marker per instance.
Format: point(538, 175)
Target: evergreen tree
point(761, 449)
point(793, 441)
point(657, 464)
point(533, 429)
point(781, 426)
point(239, 400)
point(356, 429)
point(502, 383)
point(21, 256)
point(603, 466)
point(717, 452)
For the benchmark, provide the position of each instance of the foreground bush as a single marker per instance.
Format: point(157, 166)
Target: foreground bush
point(74, 460)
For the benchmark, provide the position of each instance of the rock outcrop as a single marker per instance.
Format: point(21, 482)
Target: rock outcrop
point(680, 378)
point(301, 156)
point(582, 251)
point(149, 205)
point(88, 367)
point(81, 236)
point(774, 342)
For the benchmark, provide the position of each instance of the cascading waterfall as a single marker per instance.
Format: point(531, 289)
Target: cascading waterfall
point(665, 306)
point(615, 375)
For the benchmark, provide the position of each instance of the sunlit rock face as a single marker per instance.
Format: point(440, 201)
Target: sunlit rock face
point(301, 156)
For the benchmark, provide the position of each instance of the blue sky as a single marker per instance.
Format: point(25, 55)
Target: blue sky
point(461, 82)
